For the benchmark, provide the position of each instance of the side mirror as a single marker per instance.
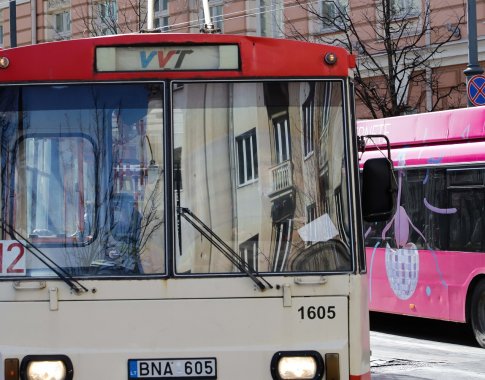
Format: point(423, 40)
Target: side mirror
point(378, 190)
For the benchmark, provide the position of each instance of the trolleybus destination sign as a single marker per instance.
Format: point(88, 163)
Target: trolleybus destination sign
point(167, 58)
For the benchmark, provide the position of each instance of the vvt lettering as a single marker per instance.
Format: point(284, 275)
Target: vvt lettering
point(162, 61)
point(145, 61)
point(182, 54)
point(164, 57)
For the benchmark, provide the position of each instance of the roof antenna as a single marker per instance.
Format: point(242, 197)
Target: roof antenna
point(209, 26)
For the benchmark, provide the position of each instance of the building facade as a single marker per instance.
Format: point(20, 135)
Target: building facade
point(40, 21)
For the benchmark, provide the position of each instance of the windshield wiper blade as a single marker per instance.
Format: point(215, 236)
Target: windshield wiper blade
point(65, 276)
point(222, 246)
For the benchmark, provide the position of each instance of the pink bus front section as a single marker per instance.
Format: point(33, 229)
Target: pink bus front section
point(424, 282)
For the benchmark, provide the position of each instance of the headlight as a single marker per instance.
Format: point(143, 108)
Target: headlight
point(296, 365)
point(46, 367)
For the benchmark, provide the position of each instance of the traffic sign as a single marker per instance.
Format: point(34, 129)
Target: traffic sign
point(476, 90)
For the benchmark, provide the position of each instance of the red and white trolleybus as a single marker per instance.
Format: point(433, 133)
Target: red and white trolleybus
point(180, 206)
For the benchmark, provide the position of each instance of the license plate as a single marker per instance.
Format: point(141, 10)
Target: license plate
point(194, 368)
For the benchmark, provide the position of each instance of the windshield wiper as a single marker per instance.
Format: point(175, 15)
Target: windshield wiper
point(222, 246)
point(65, 276)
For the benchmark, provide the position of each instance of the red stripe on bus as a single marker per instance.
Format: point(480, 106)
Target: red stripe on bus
point(365, 376)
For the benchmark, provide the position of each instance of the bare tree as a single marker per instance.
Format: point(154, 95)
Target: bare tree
point(105, 17)
point(397, 46)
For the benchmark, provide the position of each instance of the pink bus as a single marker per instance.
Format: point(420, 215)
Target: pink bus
point(428, 259)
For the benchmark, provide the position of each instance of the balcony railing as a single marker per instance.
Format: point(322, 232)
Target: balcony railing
point(281, 178)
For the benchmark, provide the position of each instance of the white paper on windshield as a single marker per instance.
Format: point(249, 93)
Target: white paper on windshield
point(320, 229)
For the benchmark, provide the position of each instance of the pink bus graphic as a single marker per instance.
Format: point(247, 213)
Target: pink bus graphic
point(428, 260)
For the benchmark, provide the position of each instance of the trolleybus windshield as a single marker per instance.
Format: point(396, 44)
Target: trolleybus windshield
point(260, 166)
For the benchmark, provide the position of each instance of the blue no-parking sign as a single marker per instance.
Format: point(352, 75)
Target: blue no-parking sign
point(476, 90)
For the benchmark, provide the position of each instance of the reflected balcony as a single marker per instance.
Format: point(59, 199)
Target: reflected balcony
point(281, 179)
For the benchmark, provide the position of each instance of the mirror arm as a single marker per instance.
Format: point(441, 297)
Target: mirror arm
point(361, 142)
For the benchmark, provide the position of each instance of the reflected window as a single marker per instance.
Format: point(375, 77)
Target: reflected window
point(247, 155)
point(282, 138)
point(282, 244)
point(308, 111)
point(311, 215)
point(249, 252)
point(58, 174)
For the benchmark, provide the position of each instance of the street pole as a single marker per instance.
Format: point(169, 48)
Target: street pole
point(13, 23)
point(473, 67)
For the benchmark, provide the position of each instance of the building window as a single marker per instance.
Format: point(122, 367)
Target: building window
point(217, 15)
point(249, 252)
point(404, 8)
point(108, 17)
point(331, 14)
point(282, 139)
point(247, 156)
point(161, 15)
point(271, 18)
point(62, 24)
point(308, 111)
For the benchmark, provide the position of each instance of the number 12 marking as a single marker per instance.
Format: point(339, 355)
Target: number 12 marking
point(12, 258)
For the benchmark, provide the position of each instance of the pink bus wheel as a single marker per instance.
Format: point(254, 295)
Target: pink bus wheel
point(478, 313)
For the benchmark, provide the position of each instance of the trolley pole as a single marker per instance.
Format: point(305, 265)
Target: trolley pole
point(473, 67)
point(13, 23)
point(150, 14)
point(209, 26)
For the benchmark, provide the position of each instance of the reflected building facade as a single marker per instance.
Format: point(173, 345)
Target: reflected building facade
point(262, 168)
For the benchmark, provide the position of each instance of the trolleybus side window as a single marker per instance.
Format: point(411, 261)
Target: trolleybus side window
point(466, 188)
point(445, 207)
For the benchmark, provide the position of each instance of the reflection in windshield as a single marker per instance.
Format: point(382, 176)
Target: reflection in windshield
point(263, 166)
point(82, 176)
